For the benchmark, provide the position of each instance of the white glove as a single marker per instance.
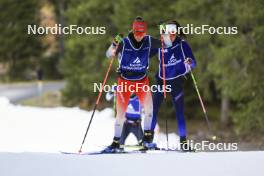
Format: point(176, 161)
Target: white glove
point(109, 96)
point(111, 52)
point(188, 62)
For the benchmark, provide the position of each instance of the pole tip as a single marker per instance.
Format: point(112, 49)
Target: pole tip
point(80, 151)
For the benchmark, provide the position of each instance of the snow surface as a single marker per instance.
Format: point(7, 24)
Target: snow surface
point(170, 164)
point(31, 138)
point(34, 129)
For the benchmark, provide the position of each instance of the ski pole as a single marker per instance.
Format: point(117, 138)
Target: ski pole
point(163, 64)
point(202, 104)
point(118, 39)
point(167, 136)
point(97, 102)
point(200, 98)
point(114, 106)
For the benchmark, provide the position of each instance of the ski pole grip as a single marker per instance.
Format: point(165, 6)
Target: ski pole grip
point(118, 38)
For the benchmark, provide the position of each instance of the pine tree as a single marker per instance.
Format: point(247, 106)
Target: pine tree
point(18, 49)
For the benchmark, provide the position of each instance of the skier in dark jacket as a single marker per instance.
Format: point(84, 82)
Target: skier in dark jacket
point(178, 61)
point(133, 54)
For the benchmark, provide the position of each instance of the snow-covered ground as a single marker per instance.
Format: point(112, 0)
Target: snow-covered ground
point(171, 164)
point(31, 138)
point(33, 129)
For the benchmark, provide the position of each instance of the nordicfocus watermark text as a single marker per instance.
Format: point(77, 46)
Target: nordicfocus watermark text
point(200, 30)
point(124, 87)
point(203, 146)
point(58, 29)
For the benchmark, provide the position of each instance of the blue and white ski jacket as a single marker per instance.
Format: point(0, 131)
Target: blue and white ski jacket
point(174, 58)
point(133, 60)
point(133, 109)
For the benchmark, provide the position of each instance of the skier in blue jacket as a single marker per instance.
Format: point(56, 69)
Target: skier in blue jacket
point(133, 117)
point(133, 120)
point(133, 56)
point(178, 61)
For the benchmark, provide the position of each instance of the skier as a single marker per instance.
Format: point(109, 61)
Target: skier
point(133, 53)
point(178, 61)
point(133, 117)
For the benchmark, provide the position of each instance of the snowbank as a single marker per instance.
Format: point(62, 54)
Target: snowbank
point(26, 131)
point(34, 129)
